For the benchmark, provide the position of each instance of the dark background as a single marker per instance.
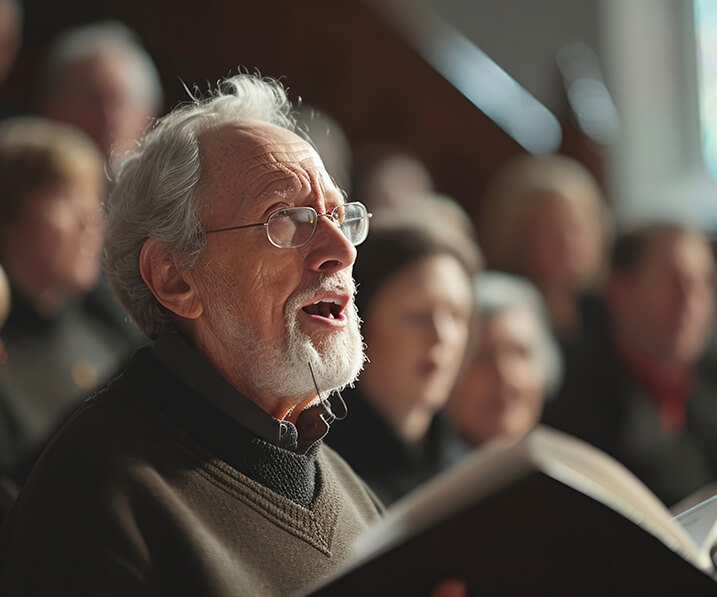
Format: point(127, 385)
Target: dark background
point(340, 56)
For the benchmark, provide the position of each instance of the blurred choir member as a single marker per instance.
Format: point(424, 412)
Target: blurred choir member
point(100, 79)
point(416, 299)
point(514, 364)
point(62, 342)
point(543, 217)
point(638, 394)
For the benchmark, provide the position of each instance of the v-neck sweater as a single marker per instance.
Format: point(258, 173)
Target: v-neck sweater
point(125, 501)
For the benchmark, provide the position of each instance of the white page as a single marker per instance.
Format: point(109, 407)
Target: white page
point(699, 520)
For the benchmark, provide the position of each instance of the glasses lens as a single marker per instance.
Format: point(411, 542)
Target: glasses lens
point(292, 227)
point(353, 221)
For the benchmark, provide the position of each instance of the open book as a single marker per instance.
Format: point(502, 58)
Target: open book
point(548, 515)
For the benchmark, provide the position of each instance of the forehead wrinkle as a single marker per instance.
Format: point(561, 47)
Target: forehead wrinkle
point(261, 156)
point(273, 174)
point(306, 173)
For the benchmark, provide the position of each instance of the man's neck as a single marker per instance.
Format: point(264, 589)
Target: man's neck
point(227, 363)
point(295, 431)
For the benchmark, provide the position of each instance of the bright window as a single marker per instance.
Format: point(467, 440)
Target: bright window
point(706, 36)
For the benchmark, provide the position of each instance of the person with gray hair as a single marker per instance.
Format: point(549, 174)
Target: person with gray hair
point(513, 367)
point(200, 470)
point(100, 79)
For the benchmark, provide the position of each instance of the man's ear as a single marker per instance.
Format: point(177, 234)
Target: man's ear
point(168, 283)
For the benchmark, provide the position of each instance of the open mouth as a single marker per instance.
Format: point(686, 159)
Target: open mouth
point(328, 308)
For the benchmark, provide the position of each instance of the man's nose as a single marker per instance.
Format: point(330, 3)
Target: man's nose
point(329, 251)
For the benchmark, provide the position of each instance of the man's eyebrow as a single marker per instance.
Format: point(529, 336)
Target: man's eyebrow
point(278, 188)
point(285, 181)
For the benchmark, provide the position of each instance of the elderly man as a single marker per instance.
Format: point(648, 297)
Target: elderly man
point(200, 470)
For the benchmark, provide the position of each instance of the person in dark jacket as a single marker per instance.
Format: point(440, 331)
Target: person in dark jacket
point(65, 334)
point(637, 393)
point(200, 470)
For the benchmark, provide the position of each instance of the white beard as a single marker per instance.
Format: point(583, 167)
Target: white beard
point(283, 370)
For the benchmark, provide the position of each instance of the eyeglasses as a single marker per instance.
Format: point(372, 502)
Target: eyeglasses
point(293, 227)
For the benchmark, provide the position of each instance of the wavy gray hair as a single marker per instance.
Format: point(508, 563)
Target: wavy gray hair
point(154, 193)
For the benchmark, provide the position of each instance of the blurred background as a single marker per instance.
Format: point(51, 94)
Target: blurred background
point(570, 143)
point(625, 87)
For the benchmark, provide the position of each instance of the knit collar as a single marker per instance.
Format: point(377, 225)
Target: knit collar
point(175, 353)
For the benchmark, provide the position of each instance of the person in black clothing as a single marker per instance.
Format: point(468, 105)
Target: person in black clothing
point(636, 392)
point(417, 302)
point(66, 335)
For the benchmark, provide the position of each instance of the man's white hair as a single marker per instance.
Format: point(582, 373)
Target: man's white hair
point(155, 187)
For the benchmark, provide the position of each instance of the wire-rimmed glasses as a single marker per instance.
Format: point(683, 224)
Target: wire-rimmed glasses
point(293, 227)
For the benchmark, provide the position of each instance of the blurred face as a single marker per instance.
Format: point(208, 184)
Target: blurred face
point(665, 307)
point(98, 96)
point(500, 394)
point(56, 239)
point(416, 331)
point(561, 243)
point(270, 311)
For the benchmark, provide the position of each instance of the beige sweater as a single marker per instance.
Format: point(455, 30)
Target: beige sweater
point(125, 503)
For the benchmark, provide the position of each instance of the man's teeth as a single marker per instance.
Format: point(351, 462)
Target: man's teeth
point(330, 308)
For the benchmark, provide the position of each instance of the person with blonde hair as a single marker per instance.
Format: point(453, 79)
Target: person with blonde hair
point(64, 338)
point(544, 217)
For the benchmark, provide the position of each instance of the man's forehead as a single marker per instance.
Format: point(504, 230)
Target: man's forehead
point(249, 159)
point(255, 141)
